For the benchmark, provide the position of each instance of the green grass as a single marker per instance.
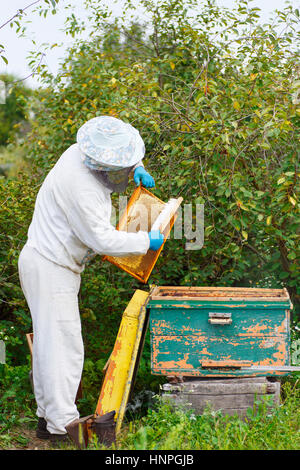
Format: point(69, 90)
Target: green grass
point(17, 405)
point(263, 428)
point(162, 428)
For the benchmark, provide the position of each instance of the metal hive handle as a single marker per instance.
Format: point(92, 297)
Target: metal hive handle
point(218, 318)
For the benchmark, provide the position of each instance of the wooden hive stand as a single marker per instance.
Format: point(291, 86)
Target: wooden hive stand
point(228, 395)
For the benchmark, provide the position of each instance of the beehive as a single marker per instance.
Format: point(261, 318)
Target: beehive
point(219, 332)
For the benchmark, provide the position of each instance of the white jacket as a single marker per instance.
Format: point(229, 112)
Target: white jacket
point(71, 220)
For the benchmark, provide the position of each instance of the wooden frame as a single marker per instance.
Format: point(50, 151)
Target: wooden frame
point(219, 293)
point(150, 257)
point(29, 338)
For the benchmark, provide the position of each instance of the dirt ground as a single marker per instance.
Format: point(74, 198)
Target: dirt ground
point(32, 442)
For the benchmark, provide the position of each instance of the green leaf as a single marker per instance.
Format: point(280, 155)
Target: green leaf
point(245, 235)
point(281, 180)
point(292, 201)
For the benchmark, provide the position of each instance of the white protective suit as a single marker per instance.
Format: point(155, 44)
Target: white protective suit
point(71, 222)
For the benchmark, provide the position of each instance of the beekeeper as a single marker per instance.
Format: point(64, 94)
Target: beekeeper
point(71, 224)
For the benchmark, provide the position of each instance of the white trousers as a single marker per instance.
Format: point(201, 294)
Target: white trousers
point(51, 292)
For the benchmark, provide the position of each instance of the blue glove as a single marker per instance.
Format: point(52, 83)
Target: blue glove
point(156, 239)
point(142, 176)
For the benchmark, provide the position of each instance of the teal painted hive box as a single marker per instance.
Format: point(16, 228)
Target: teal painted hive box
point(217, 331)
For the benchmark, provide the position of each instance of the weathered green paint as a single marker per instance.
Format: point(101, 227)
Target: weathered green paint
point(247, 304)
point(182, 337)
point(182, 321)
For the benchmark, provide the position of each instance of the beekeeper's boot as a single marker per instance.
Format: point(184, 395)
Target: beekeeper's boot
point(41, 430)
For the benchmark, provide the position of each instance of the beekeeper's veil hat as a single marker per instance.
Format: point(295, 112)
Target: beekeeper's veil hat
point(110, 144)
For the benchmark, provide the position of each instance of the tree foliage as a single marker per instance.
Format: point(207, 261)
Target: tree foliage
point(214, 93)
point(13, 111)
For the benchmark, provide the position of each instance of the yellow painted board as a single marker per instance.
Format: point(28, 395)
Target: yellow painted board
point(117, 381)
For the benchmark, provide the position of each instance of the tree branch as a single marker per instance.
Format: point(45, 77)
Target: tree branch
point(20, 12)
point(32, 73)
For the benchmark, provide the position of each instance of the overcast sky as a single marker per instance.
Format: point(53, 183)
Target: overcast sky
point(49, 30)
